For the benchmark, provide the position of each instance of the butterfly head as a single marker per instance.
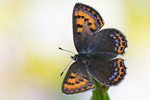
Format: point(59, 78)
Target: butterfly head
point(81, 57)
point(75, 57)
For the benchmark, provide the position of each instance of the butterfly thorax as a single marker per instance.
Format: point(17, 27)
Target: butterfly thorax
point(101, 56)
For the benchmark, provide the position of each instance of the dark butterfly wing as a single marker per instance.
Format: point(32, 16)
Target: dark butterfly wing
point(109, 72)
point(77, 79)
point(86, 22)
point(108, 40)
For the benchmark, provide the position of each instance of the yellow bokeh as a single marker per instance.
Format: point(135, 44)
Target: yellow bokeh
point(32, 30)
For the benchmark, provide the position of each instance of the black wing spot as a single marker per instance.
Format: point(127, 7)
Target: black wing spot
point(85, 19)
point(122, 48)
point(74, 72)
point(78, 16)
point(75, 16)
point(89, 24)
point(123, 70)
point(72, 77)
point(123, 39)
point(69, 83)
point(77, 82)
point(98, 22)
point(119, 79)
point(81, 80)
point(122, 75)
point(95, 15)
point(85, 77)
point(92, 30)
point(79, 33)
point(122, 64)
point(78, 25)
point(124, 43)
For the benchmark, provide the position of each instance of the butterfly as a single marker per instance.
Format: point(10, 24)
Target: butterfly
point(97, 51)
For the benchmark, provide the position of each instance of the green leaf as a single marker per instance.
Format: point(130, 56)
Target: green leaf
point(100, 91)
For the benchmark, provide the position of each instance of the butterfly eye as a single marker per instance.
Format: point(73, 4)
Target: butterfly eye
point(74, 58)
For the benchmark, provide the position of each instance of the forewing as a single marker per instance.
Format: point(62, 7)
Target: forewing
point(77, 79)
point(108, 40)
point(109, 72)
point(86, 22)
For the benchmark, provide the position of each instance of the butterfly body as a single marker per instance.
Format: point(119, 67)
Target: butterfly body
point(97, 52)
point(85, 57)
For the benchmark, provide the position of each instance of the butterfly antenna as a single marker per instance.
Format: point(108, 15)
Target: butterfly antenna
point(65, 67)
point(65, 50)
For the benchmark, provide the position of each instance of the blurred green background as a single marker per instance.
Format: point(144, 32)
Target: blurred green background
point(32, 30)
